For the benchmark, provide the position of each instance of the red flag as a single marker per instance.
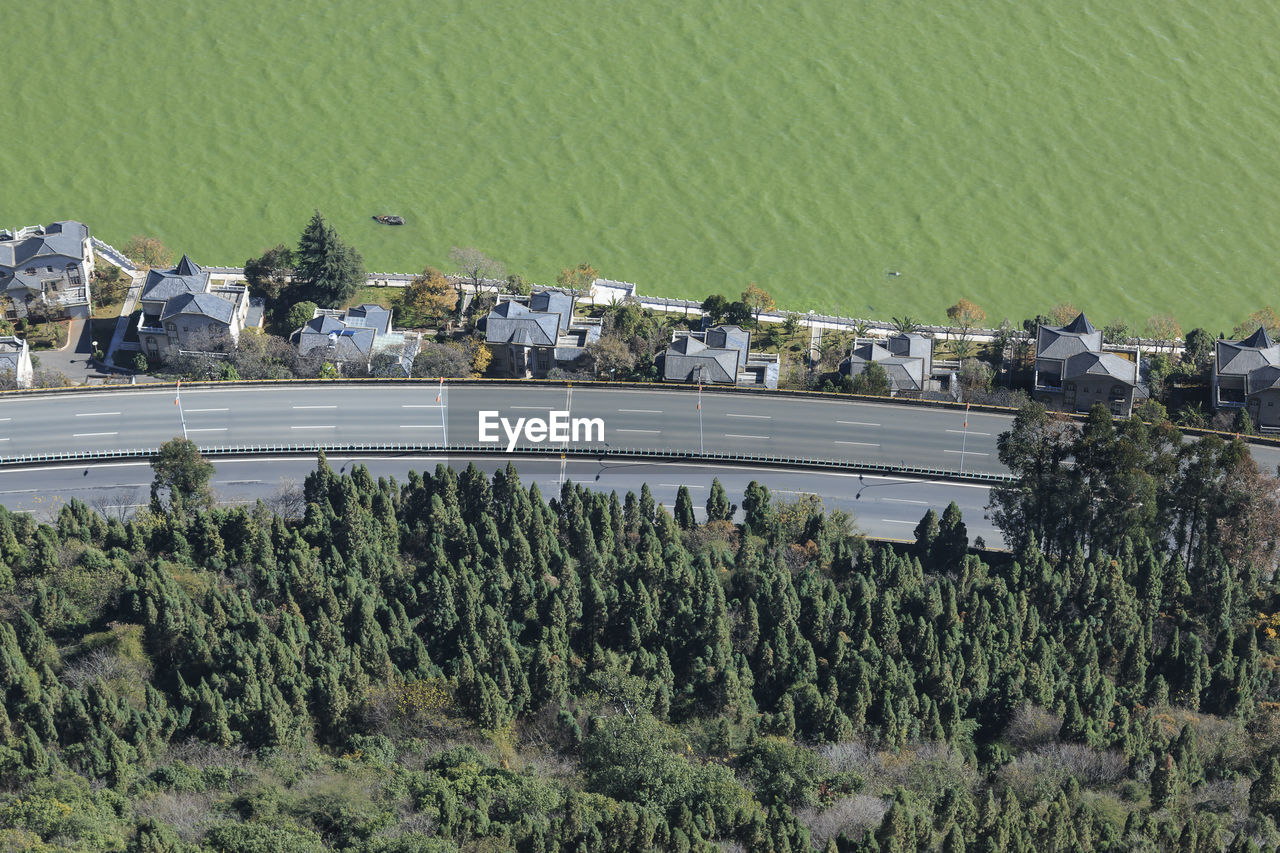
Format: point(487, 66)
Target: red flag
point(966, 415)
point(699, 396)
point(440, 391)
point(178, 390)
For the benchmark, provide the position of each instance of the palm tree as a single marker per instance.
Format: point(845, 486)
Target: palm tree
point(905, 324)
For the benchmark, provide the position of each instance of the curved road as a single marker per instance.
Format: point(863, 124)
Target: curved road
point(662, 418)
point(883, 507)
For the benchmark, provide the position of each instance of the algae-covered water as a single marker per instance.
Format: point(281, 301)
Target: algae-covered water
point(1118, 154)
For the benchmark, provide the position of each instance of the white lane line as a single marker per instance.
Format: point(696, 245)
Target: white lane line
point(321, 426)
point(95, 414)
point(420, 405)
point(970, 432)
point(903, 501)
point(193, 411)
point(530, 408)
point(315, 407)
point(856, 423)
point(967, 452)
point(17, 492)
point(121, 506)
point(638, 430)
point(671, 485)
point(4, 439)
point(421, 426)
point(862, 443)
point(5, 420)
point(235, 482)
point(897, 521)
point(756, 437)
point(208, 429)
point(641, 411)
point(90, 434)
point(761, 417)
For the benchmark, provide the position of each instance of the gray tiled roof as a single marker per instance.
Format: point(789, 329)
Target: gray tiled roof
point(1065, 341)
point(553, 302)
point(1263, 379)
point(1100, 364)
point(1240, 358)
point(350, 343)
point(905, 373)
point(729, 337)
point(63, 239)
point(201, 304)
point(912, 345)
point(186, 277)
point(513, 323)
point(703, 365)
point(373, 316)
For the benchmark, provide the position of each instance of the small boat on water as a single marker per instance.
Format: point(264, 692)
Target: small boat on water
point(389, 220)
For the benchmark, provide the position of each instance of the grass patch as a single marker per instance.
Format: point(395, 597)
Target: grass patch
point(369, 295)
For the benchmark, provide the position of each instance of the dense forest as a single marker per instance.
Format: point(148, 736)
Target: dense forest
point(457, 663)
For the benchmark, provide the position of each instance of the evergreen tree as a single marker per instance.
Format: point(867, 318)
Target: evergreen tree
point(329, 269)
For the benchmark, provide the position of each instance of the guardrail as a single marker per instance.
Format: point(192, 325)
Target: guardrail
point(763, 460)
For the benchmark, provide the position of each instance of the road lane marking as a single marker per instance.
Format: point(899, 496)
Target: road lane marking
point(856, 423)
point(4, 439)
point(17, 492)
point(90, 434)
point(5, 419)
point(193, 411)
point(863, 443)
point(95, 414)
point(421, 426)
point(763, 417)
point(420, 405)
point(207, 429)
point(897, 521)
point(968, 432)
point(315, 407)
point(121, 506)
point(641, 411)
point(638, 430)
point(903, 501)
point(756, 437)
point(321, 426)
point(234, 482)
point(530, 408)
point(967, 452)
point(671, 485)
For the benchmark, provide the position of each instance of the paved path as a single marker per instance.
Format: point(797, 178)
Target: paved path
point(126, 312)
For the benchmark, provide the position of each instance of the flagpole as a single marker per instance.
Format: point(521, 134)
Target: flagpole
point(444, 420)
point(177, 401)
point(964, 439)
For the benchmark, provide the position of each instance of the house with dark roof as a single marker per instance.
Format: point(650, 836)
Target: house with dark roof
point(351, 339)
point(1245, 374)
point(720, 355)
point(183, 309)
point(1073, 372)
point(531, 336)
point(907, 360)
point(46, 269)
point(15, 361)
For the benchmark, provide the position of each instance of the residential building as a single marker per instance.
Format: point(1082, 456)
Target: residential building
point(45, 270)
point(721, 355)
point(351, 339)
point(907, 360)
point(534, 335)
point(15, 361)
point(183, 310)
point(1073, 372)
point(1245, 374)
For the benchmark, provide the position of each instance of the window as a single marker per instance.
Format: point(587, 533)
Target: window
point(30, 270)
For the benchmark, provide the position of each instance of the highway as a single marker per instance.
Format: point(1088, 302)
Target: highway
point(883, 507)
point(662, 418)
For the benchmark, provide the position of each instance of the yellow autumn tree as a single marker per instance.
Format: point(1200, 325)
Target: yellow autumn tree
point(429, 298)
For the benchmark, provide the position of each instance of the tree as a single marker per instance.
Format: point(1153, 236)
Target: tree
point(718, 506)
point(737, 313)
point(1264, 793)
point(966, 315)
point(107, 285)
point(1115, 332)
point(1265, 318)
point(1197, 350)
point(147, 251)
point(429, 297)
point(473, 267)
point(758, 300)
point(448, 360)
point(578, 278)
point(183, 474)
point(481, 358)
point(299, 315)
point(612, 357)
point(906, 324)
point(329, 268)
point(714, 307)
point(517, 284)
point(269, 272)
point(873, 381)
point(1063, 313)
point(1163, 328)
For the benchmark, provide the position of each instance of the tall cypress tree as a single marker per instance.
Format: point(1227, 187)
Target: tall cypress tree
point(329, 268)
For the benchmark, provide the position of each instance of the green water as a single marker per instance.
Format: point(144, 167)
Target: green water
point(1118, 155)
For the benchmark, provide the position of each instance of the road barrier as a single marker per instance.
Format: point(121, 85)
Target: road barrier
point(664, 455)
